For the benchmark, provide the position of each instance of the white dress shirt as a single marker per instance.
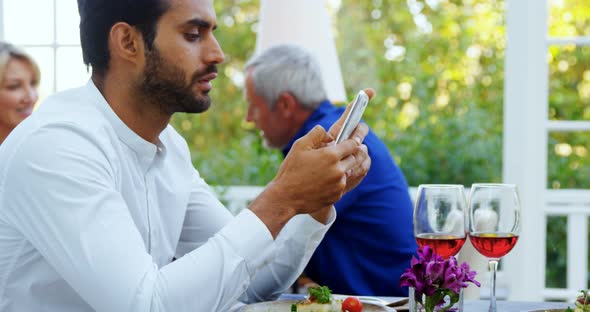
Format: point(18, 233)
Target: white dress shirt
point(91, 216)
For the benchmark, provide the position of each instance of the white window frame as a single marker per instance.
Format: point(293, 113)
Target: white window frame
point(54, 45)
point(526, 131)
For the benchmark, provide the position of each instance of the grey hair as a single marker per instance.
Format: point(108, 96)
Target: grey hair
point(287, 68)
point(8, 51)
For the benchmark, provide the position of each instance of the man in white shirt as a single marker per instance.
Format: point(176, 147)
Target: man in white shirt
point(98, 193)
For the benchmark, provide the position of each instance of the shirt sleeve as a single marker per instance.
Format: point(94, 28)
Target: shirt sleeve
point(64, 200)
point(295, 245)
point(203, 205)
point(274, 270)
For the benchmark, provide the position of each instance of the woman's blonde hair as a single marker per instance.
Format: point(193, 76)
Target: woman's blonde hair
point(8, 51)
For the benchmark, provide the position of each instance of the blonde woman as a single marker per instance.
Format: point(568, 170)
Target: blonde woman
point(19, 81)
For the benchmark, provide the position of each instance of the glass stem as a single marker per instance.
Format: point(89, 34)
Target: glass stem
point(493, 265)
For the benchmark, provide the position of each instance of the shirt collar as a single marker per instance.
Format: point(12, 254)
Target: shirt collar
point(317, 115)
point(145, 150)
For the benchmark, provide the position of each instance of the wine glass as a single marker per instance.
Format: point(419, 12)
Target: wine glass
point(494, 224)
point(440, 218)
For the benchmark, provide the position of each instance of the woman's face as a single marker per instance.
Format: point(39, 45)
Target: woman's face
point(18, 93)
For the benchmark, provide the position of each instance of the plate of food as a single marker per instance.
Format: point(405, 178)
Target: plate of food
point(319, 299)
point(582, 304)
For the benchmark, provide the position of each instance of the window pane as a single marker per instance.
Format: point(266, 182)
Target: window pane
point(568, 160)
point(556, 252)
point(569, 83)
point(569, 18)
point(28, 21)
point(71, 71)
point(68, 21)
point(44, 58)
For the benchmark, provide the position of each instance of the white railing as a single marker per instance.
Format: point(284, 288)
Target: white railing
point(237, 197)
point(574, 204)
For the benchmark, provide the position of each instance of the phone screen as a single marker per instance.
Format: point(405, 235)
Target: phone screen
point(354, 116)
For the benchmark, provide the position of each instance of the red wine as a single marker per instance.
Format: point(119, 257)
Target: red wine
point(493, 245)
point(444, 245)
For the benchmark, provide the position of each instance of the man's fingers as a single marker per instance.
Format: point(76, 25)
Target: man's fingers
point(370, 92)
point(344, 149)
point(364, 161)
point(348, 164)
point(338, 124)
point(360, 133)
point(335, 128)
point(354, 161)
point(316, 138)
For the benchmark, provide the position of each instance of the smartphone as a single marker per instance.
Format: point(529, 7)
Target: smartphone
point(354, 116)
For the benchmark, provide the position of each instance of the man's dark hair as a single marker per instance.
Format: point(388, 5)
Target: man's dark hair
point(98, 16)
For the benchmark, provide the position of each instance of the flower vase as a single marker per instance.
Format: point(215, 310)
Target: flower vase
point(434, 303)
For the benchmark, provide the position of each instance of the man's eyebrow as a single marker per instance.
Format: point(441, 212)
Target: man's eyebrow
point(197, 22)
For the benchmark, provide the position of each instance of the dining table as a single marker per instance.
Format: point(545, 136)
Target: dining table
point(502, 305)
point(514, 306)
point(479, 305)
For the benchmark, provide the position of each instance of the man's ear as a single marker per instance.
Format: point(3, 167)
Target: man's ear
point(287, 104)
point(126, 43)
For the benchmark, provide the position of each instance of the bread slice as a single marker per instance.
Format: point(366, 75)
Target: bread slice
point(308, 306)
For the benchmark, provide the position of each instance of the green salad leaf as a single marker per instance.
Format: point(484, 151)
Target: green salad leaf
point(321, 294)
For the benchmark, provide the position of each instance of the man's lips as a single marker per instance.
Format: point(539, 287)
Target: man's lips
point(204, 82)
point(209, 76)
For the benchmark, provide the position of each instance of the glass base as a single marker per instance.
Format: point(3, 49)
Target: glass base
point(426, 304)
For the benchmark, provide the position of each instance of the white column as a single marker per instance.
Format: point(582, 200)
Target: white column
point(306, 23)
point(577, 251)
point(525, 140)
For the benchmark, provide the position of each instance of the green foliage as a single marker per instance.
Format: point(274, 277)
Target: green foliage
point(569, 95)
point(439, 83)
point(555, 277)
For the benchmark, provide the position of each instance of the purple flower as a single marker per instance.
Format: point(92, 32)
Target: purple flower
point(435, 279)
point(452, 282)
point(468, 275)
point(435, 270)
point(426, 254)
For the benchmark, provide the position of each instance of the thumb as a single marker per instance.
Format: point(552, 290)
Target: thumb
point(370, 92)
point(316, 138)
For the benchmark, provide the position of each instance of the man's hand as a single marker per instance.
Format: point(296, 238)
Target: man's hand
point(357, 174)
point(314, 175)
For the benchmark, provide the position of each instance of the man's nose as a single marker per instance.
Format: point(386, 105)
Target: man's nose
point(215, 54)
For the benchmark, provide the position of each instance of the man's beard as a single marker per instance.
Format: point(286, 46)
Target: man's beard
point(163, 84)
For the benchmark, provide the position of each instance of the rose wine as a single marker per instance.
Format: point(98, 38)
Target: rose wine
point(493, 245)
point(444, 245)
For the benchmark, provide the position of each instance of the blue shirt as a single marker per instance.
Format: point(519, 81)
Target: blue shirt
point(371, 242)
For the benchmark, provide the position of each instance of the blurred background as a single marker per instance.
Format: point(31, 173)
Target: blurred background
point(439, 68)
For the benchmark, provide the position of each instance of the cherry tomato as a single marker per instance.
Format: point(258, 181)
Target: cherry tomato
point(352, 304)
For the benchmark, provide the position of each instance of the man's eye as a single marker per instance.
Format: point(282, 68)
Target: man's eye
point(192, 37)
